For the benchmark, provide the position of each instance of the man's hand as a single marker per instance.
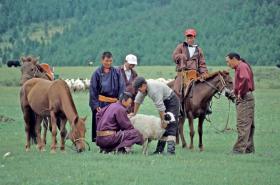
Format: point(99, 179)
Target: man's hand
point(163, 124)
point(204, 75)
point(130, 115)
point(98, 109)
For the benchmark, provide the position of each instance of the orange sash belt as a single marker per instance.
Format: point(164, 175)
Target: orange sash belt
point(105, 133)
point(102, 98)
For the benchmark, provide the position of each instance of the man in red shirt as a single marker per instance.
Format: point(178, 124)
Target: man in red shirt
point(245, 104)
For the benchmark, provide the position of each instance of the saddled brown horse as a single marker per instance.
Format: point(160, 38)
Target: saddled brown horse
point(30, 68)
point(40, 98)
point(196, 101)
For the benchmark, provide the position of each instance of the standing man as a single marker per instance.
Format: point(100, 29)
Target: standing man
point(165, 100)
point(114, 129)
point(245, 104)
point(129, 75)
point(106, 85)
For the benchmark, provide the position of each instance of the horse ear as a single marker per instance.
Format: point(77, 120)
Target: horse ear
point(22, 59)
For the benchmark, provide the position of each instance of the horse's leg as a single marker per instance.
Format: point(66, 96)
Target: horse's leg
point(200, 132)
point(27, 129)
point(45, 125)
point(177, 136)
point(63, 133)
point(181, 132)
point(54, 132)
point(40, 143)
point(190, 118)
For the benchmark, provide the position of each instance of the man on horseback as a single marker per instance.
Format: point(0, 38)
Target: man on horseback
point(190, 64)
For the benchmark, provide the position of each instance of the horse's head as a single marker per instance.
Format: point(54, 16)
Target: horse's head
point(30, 69)
point(227, 85)
point(77, 133)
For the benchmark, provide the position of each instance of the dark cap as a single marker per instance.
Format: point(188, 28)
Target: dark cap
point(139, 81)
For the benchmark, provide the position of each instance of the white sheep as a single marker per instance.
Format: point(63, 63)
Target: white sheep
point(150, 127)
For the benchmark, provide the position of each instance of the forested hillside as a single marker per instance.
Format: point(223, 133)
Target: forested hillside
point(72, 32)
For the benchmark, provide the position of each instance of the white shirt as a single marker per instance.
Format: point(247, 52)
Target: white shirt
point(127, 73)
point(191, 50)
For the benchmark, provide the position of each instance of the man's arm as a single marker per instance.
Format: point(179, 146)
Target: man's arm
point(93, 92)
point(178, 54)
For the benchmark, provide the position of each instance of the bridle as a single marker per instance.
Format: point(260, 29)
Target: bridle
point(76, 140)
point(223, 82)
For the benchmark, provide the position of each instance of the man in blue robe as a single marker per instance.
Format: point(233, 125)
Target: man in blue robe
point(106, 85)
point(114, 129)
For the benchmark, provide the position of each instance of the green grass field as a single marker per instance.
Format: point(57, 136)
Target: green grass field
point(213, 166)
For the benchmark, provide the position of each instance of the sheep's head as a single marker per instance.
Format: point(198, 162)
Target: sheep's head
point(169, 117)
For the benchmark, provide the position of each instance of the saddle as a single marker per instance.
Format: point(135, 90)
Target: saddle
point(47, 69)
point(188, 78)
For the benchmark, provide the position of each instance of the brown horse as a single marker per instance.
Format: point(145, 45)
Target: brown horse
point(196, 101)
point(40, 98)
point(30, 68)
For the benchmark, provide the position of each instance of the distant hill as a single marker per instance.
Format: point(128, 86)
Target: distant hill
point(73, 32)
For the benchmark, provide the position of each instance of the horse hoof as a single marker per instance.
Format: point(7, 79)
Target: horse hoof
point(201, 149)
point(43, 150)
point(53, 151)
point(27, 149)
point(191, 148)
point(184, 146)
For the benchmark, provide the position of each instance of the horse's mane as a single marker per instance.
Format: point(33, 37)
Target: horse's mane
point(213, 74)
point(69, 95)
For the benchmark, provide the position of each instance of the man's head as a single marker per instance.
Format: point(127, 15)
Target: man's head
point(233, 59)
point(130, 61)
point(126, 99)
point(107, 59)
point(190, 36)
point(140, 84)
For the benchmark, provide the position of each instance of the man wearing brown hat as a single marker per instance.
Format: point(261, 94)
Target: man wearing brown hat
point(129, 75)
point(190, 63)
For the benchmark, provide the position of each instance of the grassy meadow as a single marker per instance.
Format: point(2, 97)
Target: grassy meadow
point(213, 166)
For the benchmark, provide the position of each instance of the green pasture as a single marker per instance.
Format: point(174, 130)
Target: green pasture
point(213, 166)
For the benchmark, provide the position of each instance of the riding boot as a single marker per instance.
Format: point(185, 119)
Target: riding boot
point(171, 147)
point(160, 147)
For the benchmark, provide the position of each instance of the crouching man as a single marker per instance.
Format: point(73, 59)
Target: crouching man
point(114, 129)
point(165, 100)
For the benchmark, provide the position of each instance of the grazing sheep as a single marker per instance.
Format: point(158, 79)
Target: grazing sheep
point(150, 127)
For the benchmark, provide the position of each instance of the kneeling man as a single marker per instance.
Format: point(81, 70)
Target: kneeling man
point(114, 129)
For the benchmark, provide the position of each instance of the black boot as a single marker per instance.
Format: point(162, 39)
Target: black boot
point(171, 147)
point(160, 147)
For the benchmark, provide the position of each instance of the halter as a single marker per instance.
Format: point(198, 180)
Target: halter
point(78, 139)
point(221, 79)
point(36, 71)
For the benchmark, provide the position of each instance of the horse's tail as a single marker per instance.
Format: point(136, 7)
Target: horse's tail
point(32, 125)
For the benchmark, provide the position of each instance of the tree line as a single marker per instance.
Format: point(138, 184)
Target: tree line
point(73, 32)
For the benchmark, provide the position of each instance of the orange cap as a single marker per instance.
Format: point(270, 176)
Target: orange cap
point(190, 31)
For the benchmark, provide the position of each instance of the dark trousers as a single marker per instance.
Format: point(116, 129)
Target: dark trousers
point(172, 105)
point(245, 124)
point(93, 126)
